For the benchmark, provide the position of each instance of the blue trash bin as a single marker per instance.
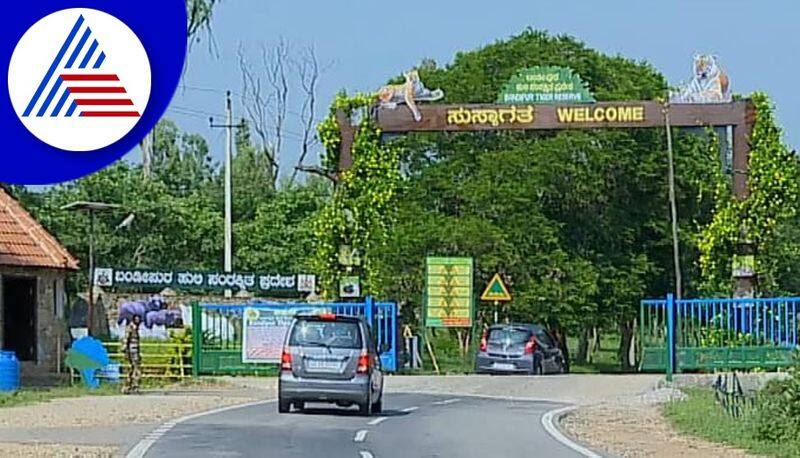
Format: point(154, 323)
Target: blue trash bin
point(9, 371)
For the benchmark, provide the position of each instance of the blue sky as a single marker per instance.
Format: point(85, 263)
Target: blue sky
point(367, 41)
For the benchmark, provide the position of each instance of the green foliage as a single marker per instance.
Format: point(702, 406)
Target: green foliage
point(699, 415)
point(361, 210)
point(768, 218)
point(179, 211)
point(199, 13)
point(777, 415)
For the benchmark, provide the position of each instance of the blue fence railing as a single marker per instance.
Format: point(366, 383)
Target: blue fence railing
point(714, 333)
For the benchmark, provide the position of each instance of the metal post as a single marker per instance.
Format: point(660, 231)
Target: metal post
point(90, 301)
point(496, 306)
point(369, 303)
point(672, 205)
point(228, 126)
point(228, 191)
point(197, 336)
point(670, 336)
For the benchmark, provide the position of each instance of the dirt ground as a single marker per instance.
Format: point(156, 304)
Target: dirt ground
point(636, 429)
point(56, 451)
point(105, 426)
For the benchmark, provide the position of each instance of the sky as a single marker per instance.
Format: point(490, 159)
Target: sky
point(365, 42)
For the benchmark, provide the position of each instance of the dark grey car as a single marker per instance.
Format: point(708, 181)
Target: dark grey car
point(521, 349)
point(330, 358)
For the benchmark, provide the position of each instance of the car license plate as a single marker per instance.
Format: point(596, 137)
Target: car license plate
point(323, 365)
point(504, 367)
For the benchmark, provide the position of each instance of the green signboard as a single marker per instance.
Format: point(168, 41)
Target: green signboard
point(156, 280)
point(448, 293)
point(545, 85)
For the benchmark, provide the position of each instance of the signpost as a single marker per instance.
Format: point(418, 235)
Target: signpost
point(496, 292)
point(448, 293)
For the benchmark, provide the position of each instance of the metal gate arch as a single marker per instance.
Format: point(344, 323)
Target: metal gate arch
point(217, 333)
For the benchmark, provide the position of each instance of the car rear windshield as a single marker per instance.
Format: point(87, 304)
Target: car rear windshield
point(331, 334)
point(511, 335)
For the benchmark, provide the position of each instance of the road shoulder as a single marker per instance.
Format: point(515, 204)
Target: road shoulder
point(635, 426)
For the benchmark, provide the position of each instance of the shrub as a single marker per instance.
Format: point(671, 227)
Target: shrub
point(777, 414)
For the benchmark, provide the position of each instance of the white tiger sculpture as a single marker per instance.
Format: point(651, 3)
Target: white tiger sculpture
point(709, 84)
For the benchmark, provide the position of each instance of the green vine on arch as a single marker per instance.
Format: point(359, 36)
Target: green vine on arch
point(361, 210)
point(774, 183)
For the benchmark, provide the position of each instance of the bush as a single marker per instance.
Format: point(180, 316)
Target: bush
point(777, 414)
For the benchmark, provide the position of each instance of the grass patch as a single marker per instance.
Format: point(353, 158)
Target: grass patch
point(29, 396)
point(700, 416)
point(605, 358)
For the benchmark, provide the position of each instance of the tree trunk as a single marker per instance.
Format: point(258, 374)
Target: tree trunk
point(626, 330)
point(594, 345)
point(583, 347)
point(561, 340)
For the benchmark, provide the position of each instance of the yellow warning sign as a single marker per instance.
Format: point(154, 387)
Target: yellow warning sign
point(496, 290)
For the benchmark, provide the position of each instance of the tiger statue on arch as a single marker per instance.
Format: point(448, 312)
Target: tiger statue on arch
point(709, 84)
point(410, 92)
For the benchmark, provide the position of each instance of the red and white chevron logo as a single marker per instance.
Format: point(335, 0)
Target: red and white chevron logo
point(83, 92)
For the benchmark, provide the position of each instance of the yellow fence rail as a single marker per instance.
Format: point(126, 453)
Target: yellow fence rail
point(160, 361)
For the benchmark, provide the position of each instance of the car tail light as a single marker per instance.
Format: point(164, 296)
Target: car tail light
point(363, 363)
point(286, 360)
point(327, 316)
point(483, 341)
point(530, 346)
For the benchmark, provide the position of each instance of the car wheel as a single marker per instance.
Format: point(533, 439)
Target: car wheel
point(284, 406)
point(365, 409)
point(378, 406)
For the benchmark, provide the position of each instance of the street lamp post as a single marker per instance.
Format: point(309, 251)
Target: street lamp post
point(92, 208)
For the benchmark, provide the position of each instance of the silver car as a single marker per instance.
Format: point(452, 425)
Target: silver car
point(520, 349)
point(330, 358)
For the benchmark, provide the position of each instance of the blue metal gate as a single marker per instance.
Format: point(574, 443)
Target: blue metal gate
point(697, 334)
point(217, 333)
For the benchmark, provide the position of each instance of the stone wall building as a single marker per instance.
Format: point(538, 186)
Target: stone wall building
point(33, 270)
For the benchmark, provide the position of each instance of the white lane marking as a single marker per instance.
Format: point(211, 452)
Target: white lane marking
point(361, 435)
point(377, 421)
point(410, 409)
point(549, 426)
point(143, 446)
point(446, 401)
point(365, 454)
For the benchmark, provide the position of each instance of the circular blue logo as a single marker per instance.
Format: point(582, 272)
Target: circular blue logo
point(87, 80)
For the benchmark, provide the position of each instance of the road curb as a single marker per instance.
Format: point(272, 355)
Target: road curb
point(549, 421)
point(143, 446)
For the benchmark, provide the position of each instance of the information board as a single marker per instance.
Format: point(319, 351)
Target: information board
point(264, 330)
point(448, 293)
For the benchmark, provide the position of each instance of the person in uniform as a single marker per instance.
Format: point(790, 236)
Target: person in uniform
point(131, 348)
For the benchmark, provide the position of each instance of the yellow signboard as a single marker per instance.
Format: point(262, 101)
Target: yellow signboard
point(448, 292)
point(496, 290)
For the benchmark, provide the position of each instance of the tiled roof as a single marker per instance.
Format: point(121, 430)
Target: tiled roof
point(25, 243)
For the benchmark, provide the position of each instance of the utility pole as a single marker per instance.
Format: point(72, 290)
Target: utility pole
point(672, 205)
point(228, 183)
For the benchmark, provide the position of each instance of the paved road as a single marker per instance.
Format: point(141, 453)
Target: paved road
point(412, 425)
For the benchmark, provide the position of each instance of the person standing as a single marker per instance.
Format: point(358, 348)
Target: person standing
point(131, 346)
